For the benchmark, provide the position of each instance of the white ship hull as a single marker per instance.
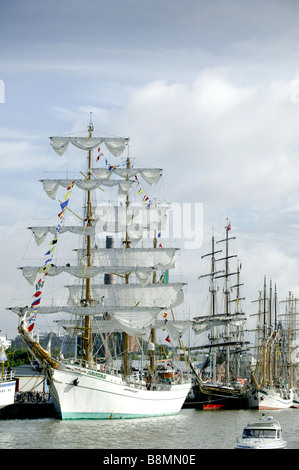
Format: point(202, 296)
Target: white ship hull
point(88, 394)
point(270, 399)
point(7, 393)
point(295, 400)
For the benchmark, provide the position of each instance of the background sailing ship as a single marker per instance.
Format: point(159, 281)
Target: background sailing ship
point(121, 296)
point(274, 377)
point(218, 383)
point(7, 378)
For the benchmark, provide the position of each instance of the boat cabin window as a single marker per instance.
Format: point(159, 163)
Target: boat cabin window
point(269, 433)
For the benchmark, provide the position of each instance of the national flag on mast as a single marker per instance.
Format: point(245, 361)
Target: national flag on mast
point(229, 226)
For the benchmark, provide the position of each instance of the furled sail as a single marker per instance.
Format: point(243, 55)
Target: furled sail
point(86, 272)
point(202, 324)
point(96, 311)
point(130, 295)
point(115, 219)
point(51, 186)
point(115, 145)
point(134, 323)
point(150, 175)
point(40, 233)
point(130, 322)
point(162, 258)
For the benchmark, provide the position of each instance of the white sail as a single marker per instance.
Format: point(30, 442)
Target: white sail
point(115, 145)
point(150, 175)
point(176, 328)
point(84, 272)
point(162, 258)
point(128, 321)
point(51, 186)
point(102, 173)
point(40, 233)
point(86, 310)
point(131, 295)
point(202, 324)
point(134, 322)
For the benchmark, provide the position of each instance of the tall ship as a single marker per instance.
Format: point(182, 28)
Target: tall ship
point(289, 341)
point(219, 382)
point(7, 380)
point(273, 377)
point(121, 299)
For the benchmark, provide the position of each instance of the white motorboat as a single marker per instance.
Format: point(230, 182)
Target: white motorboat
point(263, 434)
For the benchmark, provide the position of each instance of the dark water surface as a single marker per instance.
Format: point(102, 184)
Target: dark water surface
point(191, 429)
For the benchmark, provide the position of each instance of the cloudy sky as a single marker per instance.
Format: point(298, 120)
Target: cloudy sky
point(209, 91)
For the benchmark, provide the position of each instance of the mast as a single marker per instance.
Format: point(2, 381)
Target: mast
point(293, 345)
point(276, 338)
point(227, 307)
point(270, 337)
point(239, 330)
point(227, 294)
point(125, 335)
point(291, 340)
point(227, 319)
point(213, 292)
point(260, 342)
point(153, 331)
point(88, 300)
point(264, 336)
point(213, 303)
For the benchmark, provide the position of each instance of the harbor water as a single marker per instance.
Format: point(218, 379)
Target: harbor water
point(190, 429)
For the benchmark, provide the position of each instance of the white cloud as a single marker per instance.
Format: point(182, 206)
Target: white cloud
point(231, 147)
point(234, 144)
point(209, 93)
